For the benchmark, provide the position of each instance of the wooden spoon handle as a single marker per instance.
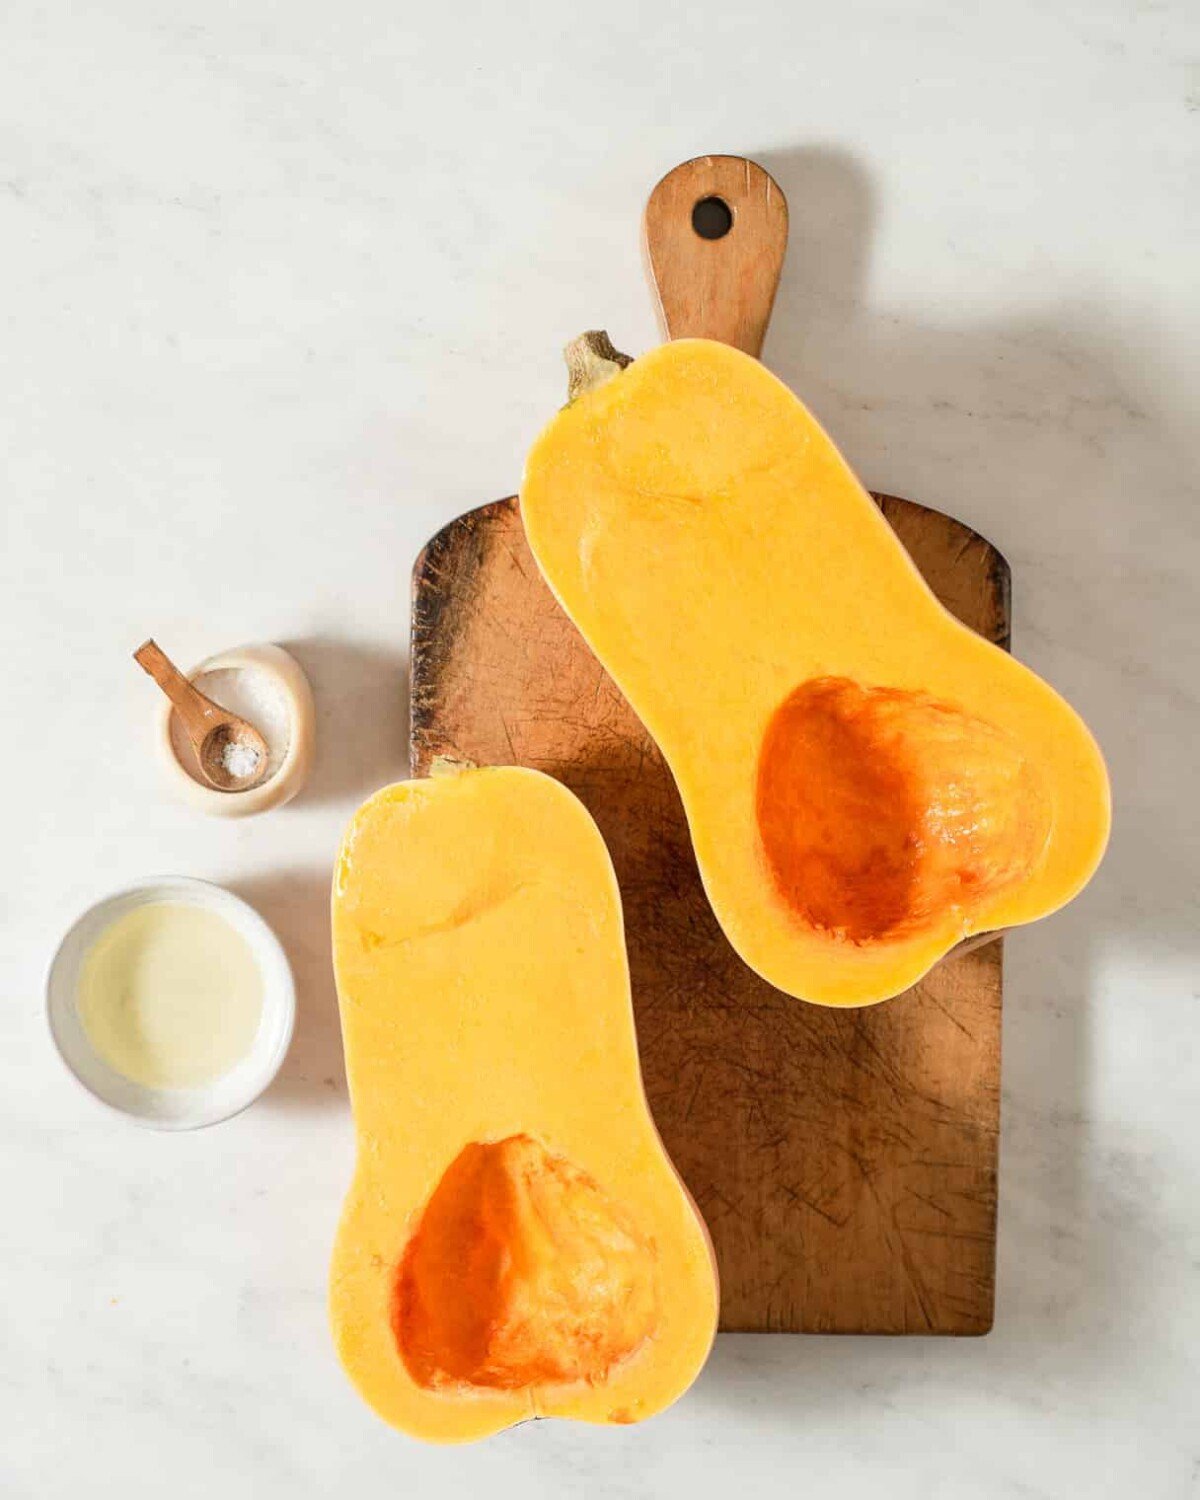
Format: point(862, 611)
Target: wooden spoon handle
point(722, 287)
point(198, 713)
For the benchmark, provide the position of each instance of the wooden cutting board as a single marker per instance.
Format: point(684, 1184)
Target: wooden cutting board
point(845, 1161)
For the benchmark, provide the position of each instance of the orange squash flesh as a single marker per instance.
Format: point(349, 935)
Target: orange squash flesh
point(515, 1242)
point(867, 782)
point(879, 808)
point(522, 1272)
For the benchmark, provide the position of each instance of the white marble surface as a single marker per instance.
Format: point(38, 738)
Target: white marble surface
point(283, 289)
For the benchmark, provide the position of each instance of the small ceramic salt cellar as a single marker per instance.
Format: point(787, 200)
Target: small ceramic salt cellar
point(266, 686)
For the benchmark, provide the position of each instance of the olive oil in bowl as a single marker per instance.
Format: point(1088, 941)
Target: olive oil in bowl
point(172, 1002)
point(171, 995)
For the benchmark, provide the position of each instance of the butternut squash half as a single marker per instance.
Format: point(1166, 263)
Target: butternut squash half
point(516, 1242)
point(867, 782)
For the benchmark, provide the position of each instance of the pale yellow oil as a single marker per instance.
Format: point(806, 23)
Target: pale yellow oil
point(171, 995)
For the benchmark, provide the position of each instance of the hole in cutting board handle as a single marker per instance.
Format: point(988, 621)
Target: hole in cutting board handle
point(712, 218)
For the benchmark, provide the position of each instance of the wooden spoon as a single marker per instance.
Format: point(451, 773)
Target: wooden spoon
point(220, 739)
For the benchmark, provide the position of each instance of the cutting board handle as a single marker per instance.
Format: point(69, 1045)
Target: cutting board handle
point(715, 233)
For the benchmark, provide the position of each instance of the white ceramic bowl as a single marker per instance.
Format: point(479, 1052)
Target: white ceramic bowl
point(287, 677)
point(173, 1109)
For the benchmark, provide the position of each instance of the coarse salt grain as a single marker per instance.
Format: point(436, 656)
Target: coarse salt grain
point(241, 761)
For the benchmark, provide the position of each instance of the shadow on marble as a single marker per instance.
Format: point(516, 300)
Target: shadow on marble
point(361, 693)
point(1059, 437)
point(296, 904)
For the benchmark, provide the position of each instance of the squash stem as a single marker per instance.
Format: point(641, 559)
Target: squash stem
point(591, 362)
